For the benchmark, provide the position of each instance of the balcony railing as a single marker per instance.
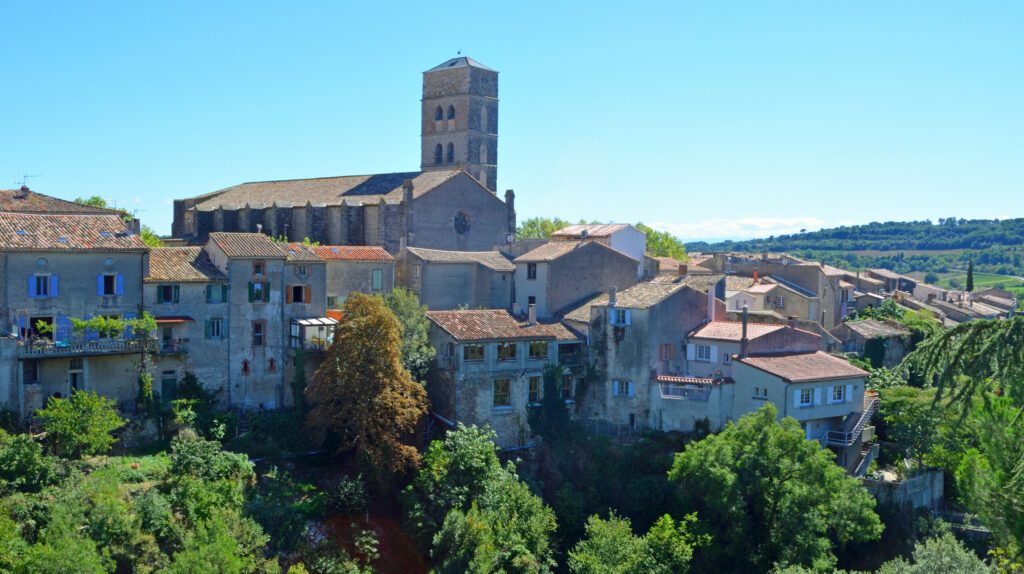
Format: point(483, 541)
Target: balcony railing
point(847, 438)
point(173, 348)
point(43, 349)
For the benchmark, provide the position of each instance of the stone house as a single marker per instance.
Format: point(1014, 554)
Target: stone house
point(490, 366)
point(622, 237)
point(856, 336)
point(558, 275)
point(824, 393)
point(636, 335)
point(310, 330)
point(893, 281)
point(453, 279)
point(188, 297)
point(59, 265)
point(356, 269)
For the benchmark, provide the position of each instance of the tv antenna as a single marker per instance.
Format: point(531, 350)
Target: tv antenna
point(24, 179)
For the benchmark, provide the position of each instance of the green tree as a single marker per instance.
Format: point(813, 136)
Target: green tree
point(970, 276)
point(417, 352)
point(227, 544)
point(552, 418)
point(148, 236)
point(769, 496)
point(611, 547)
point(362, 395)
point(663, 244)
point(942, 554)
point(911, 422)
point(540, 227)
point(80, 424)
point(931, 278)
point(24, 467)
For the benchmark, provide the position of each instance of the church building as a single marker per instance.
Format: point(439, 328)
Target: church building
point(449, 204)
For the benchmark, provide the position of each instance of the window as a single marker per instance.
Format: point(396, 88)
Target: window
point(780, 302)
point(534, 394)
point(483, 119)
point(438, 114)
point(215, 328)
point(258, 331)
point(726, 358)
point(168, 386)
point(667, 352)
point(473, 353)
point(620, 317)
point(109, 285)
point(838, 394)
point(703, 352)
point(377, 279)
point(507, 351)
point(483, 153)
point(531, 271)
point(167, 293)
point(438, 153)
point(502, 393)
point(451, 113)
point(301, 270)
point(42, 285)
point(451, 153)
point(258, 267)
point(297, 294)
point(538, 349)
point(622, 389)
point(531, 300)
point(259, 291)
point(216, 293)
point(566, 390)
point(761, 393)
point(805, 397)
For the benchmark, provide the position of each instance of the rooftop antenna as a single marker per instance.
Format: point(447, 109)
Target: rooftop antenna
point(24, 179)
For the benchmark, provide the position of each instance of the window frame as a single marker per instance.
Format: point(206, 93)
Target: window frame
point(534, 389)
point(841, 391)
point(110, 278)
point(540, 344)
point(810, 398)
point(531, 271)
point(699, 355)
point(506, 393)
point(474, 346)
point(504, 349)
point(216, 324)
point(259, 333)
point(377, 280)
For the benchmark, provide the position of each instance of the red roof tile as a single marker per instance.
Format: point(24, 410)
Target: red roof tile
point(182, 265)
point(496, 324)
point(300, 253)
point(17, 201)
point(32, 232)
point(352, 253)
point(804, 367)
point(246, 245)
point(733, 330)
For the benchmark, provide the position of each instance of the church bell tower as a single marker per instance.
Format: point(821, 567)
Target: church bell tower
point(460, 119)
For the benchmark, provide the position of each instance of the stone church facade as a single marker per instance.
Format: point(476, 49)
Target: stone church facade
point(449, 204)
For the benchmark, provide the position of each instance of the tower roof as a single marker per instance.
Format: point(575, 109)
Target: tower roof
point(460, 62)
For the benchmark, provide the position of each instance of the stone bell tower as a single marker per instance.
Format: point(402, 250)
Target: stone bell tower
point(460, 119)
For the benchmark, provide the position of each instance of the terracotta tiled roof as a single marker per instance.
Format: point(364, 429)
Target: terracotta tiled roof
point(352, 253)
point(548, 252)
point(17, 201)
point(640, 296)
point(804, 367)
point(246, 245)
point(592, 230)
point(733, 330)
point(737, 283)
point(300, 253)
point(833, 271)
point(692, 380)
point(490, 259)
point(496, 324)
point(30, 232)
point(352, 189)
point(581, 314)
point(870, 328)
point(182, 265)
point(702, 281)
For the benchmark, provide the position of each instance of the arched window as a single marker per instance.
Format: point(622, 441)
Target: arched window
point(451, 153)
point(438, 154)
point(438, 114)
point(245, 367)
point(483, 153)
point(451, 112)
point(483, 119)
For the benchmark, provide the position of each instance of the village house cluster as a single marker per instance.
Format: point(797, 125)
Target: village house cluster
point(255, 274)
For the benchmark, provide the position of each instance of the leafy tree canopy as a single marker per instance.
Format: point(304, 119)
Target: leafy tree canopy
point(417, 352)
point(80, 424)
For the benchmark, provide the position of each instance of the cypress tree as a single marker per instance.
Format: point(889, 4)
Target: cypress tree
point(970, 276)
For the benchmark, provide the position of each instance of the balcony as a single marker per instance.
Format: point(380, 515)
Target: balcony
point(44, 348)
point(176, 347)
point(860, 426)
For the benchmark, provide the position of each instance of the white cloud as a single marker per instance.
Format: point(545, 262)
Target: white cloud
point(721, 228)
point(136, 199)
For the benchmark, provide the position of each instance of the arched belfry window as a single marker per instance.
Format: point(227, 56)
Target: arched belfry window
point(483, 119)
point(439, 114)
point(451, 153)
point(451, 118)
point(483, 153)
point(438, 154)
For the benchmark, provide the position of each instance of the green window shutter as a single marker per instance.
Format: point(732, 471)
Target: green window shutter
point(159, 293)
point(177, 293)
point(223, 293)
point(209, 293)
point(252, 292)
point(206, 327)
point(266, 291)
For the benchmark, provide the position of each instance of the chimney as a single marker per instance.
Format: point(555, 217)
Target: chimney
point(259, 228)
point(711, 304)
point(756, 275)
point(22, 193)
point(407, 203)
point(612, 299)
point(531, 314)
point(743, 337)
point(792, 321)
point(510, 209)
point(683, 270)
point(132, 226)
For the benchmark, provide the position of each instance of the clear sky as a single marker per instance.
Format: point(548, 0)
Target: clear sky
point(709, 119)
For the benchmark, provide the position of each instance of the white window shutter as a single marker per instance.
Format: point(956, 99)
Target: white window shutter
point(817, 396)
point(631, 386)
point(829, 395)
point(629, 317)
point(615, 388)
point(848, 395)
point(714, 353)
point(796, 398)
point(690, 352)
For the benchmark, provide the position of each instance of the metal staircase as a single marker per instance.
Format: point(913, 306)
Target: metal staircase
point(847, 438)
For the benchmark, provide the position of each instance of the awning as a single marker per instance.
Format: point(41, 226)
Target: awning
point(171, 319)
point(316, 322)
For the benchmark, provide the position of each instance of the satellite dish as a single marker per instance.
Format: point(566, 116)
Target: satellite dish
point(510, 238)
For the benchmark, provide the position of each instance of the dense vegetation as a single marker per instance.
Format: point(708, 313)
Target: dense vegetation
point(994, 246)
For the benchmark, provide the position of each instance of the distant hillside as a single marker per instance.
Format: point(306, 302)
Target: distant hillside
point(947, 234)
point(994, 246)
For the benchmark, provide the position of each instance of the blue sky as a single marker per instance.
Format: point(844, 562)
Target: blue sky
point(709, 119)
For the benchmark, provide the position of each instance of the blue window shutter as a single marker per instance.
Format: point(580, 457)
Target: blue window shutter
point(31, 286)
point(22, 326)
point(629, 318)
point(63, 331)
point(223, 293)
point(53, 286)
point(99, 284)
point(796, 398)
point(615, 388)
point(631, 386)
point(120, 285)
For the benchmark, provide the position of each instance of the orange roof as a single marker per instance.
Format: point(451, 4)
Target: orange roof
point(496, 324)
point(733, 330)
point(352, 253)
point(804, 367)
